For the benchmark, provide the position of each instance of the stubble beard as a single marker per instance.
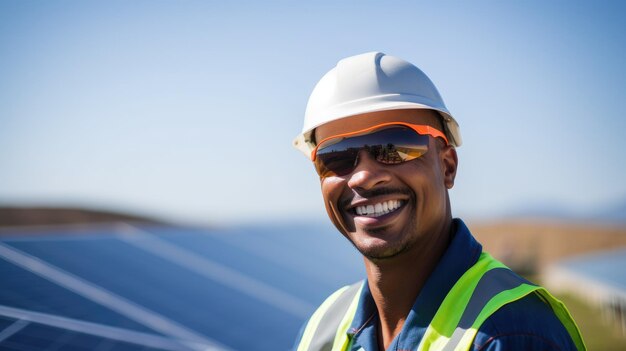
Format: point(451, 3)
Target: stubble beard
point(386, 253)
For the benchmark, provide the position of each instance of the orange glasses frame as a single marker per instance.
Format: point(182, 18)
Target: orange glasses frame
point(418, 128)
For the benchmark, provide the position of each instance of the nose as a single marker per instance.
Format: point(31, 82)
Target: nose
point(368, 173)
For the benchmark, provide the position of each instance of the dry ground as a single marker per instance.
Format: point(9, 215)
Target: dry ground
point(529, 246)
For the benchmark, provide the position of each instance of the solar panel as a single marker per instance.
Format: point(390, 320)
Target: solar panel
point(171, 288)
point(36, 331)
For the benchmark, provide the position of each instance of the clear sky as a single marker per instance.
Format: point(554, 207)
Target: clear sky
point(187, 109)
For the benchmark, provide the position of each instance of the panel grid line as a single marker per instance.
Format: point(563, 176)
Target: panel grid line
point(108, 299)
point(215, 271)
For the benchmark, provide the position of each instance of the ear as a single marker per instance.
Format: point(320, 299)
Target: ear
point(449, 164)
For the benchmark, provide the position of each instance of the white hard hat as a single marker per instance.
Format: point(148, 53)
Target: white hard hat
point(371, 82)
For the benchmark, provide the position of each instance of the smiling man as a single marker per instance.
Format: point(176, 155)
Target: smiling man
point(383, 144)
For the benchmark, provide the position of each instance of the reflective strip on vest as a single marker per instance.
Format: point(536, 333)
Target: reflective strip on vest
point(329, 324)
point(480, 292)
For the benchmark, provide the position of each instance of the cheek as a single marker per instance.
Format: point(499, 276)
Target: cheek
point(428, 185)
point(332, 188)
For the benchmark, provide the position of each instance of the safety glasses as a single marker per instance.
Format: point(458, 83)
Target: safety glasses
point(387, 143)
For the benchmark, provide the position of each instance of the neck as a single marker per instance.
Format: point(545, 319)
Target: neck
point(396, 282)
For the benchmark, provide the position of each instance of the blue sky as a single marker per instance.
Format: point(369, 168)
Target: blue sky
point(187, 109)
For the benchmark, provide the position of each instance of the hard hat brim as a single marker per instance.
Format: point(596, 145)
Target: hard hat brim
point(304, 143)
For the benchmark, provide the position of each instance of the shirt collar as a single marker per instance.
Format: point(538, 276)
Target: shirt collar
point(460, 255)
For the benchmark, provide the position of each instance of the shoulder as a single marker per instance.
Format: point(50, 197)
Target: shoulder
point(525, 324)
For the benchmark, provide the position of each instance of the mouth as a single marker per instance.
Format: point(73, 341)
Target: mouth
point(378, 209)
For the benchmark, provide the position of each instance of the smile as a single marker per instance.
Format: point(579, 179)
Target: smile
point(379, 209)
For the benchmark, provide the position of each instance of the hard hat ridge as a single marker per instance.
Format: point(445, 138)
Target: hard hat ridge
point(371, 82)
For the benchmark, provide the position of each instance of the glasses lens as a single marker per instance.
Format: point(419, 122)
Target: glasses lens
point(336, 162)
point(388, 145)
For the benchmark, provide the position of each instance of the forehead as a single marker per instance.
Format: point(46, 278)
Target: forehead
point(358, 122)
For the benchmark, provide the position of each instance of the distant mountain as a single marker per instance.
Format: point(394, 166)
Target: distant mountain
point(23, 216)
point(612, 213)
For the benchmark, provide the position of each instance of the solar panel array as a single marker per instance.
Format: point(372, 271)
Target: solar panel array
point(124, 287)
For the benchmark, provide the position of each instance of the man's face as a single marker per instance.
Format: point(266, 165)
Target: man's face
point(416, 190)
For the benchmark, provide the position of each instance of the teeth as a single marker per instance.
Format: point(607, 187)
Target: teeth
point(378, 209)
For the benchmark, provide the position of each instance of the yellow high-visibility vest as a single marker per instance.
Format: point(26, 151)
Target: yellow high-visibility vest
point(481, 291)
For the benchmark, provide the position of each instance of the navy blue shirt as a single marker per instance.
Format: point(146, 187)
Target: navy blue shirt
point(526, 324)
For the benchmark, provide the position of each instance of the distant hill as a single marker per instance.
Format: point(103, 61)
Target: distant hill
point(529, 245)
point(612, 213)
point(29, 216)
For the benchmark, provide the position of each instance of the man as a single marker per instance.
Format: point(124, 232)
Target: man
point(383, 144)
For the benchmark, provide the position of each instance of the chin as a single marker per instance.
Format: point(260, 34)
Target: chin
point(380, 251)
